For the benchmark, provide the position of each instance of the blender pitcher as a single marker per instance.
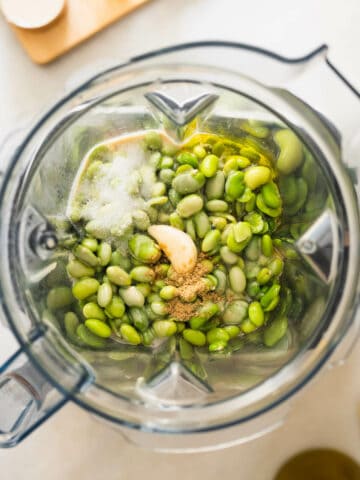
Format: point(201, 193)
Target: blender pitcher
point(153, 395)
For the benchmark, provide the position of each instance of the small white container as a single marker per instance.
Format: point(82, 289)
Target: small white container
point(31, 14)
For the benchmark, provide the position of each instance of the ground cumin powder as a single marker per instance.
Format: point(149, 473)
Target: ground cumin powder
point(190, 285)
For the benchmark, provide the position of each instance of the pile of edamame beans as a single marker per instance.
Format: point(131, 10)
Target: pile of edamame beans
point(230, 196)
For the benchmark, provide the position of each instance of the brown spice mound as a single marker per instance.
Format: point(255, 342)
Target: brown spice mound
point(190, 286)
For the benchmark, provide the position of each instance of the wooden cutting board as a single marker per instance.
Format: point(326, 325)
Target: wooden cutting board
point(80, 20)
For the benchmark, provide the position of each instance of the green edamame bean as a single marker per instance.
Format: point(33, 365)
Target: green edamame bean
point(98, 328)
point(139, 318)
point(168, 292)
point(234, 186)
point(252, 251)
point(89, 338)
point(148, 336)
point(291, 152)
point(207, 265)
point(261, 205)
point(227, 256)
point(197, 322)
point(144, 288)
point(187, 158)
point(225, 234)
point(157, 201)
point(77, 269)
point(164, 328)
point(255, 176)
point(239, 236)
point(132, 297)
point(250, 205)
point(217, 334)
point(246, 196)
point(232, 330)
point(169, 149)
point(92, 310)
point(174, 197)
point(256, 314)
point(267, 245)
point(183, 168)
point(180, 327)
point(231, 165)
point(256, 222)
point(194, 337)
point(59, 297)
point(144, 249)
point(247, 326)
point(218, 346)
point(302, 191)
point(210, 282)
point(237, 279)
point(241, 231)
point(118, 276)
point(199, 151)
point(86, 256)
point(166, 176)
point(190, 228)
point(142, 274)
point(253, 288)
point(235, 312)
point(218, 222)
point(189, 205)
point(71, 323)
point(272, 293)
point(104, 295)
point(154, 160)
point(221, 280)
point(243, 162)
point(188, 182)
point(104, 253)
point(159, 308)
point(152, 213)
point(275, 331)
point(129, 334)
point(216, 206)
point(186, 350)
point(153, 140)
point(209, 165)
point(120, 260)
point(116, 307)
point(264, 276)
point(271, 195)
point(272, 305)
point(251, 270)
point(85, 287)
point(162, 270)
point(90, 243)
point(176, 221)
point(215, 186)
point(276, 266)
point(202, 224)
point(208, 310)
point(211, 241)
point(288, 189)
point(218, 148)
point(141, 220)
point(166, 162)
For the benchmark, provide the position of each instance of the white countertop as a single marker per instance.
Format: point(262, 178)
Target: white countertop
point(71, 445)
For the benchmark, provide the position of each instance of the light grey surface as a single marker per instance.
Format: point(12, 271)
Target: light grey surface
point(71, 445)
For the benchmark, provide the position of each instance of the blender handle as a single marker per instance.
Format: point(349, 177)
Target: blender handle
point(327, 91)
point(26, 400)
point(29, 394)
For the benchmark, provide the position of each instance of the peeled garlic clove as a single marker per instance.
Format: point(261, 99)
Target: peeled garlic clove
point(177, 246)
